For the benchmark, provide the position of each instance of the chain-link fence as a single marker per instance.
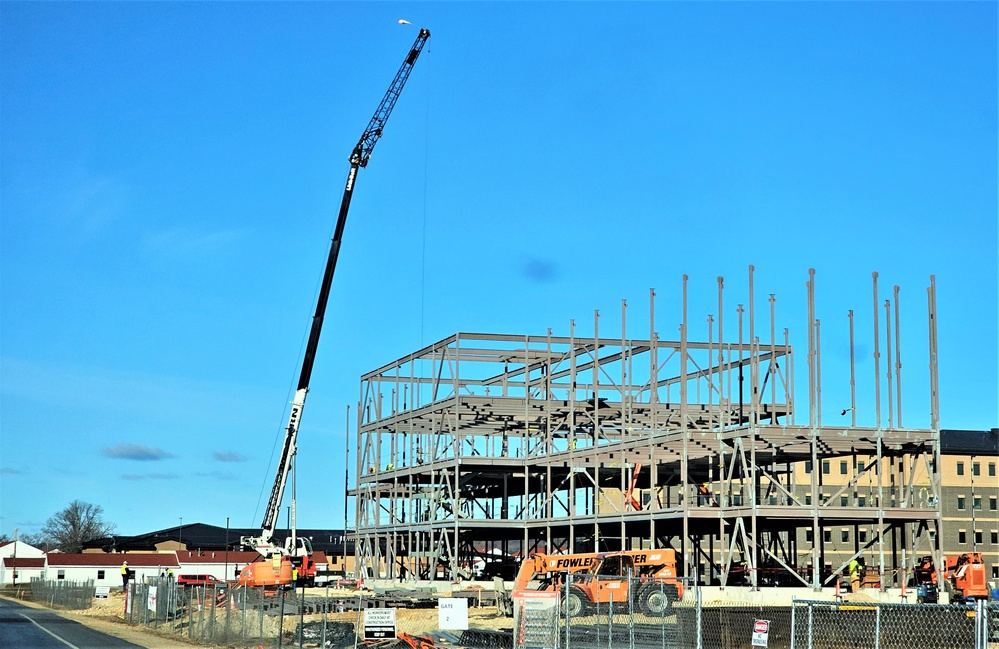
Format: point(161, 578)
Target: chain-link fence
point(76, 595)
point(579, 613)
point(320, 617)
point(838, 625)
point(610, 612)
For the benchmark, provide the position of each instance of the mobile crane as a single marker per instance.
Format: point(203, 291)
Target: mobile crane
point(297, 552)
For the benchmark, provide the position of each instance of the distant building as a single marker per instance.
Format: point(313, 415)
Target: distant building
point(200, 539)
point(19, 562)
point(105, 569)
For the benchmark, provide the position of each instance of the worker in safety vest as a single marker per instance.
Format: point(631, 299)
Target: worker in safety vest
point(854, 575)
point(124, 575)
point(294, 578)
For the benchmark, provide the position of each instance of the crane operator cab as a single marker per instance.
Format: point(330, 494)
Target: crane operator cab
point(299, 546)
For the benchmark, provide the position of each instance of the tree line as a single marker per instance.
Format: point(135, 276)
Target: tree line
point(69, 529)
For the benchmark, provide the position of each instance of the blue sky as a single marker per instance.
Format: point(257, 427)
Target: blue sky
point(171, 174)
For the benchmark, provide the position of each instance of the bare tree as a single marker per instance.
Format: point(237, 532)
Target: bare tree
point(79, 522)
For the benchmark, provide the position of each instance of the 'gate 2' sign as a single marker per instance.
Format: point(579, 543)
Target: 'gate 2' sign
point(761, 633)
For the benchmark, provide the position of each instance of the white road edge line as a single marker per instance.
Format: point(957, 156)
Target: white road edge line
point(65, 642)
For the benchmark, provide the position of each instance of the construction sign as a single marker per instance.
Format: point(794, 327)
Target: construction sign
point(761, 633)
point(379, 623)
point(452, 613)
point(535, 619)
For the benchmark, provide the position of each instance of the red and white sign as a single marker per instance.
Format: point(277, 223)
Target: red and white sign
point(761, 633)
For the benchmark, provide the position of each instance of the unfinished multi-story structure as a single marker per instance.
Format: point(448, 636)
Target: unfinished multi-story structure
point(486, 446)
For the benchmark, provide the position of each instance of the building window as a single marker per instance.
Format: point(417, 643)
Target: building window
point(977, 503)
point(737, 500)
point(976, 469)
point(960, 468)
point(844, 535)
point(862, 536)
point(933, 536)
point(827, 535)
point(861, 501)
point(808, 499)
point(61, 574)
point(995, 572)
point(960, 502)
point(995, 537)
point(979, 537)
point(992, 469)
point(825, 467)
point(808, 466)
point(844, 500)
point(992, 503)
point(100, 574)
point(962, 536)
point(842, 467)
point(809, 536)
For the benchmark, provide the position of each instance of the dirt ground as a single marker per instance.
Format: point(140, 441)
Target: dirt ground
point(107, 616)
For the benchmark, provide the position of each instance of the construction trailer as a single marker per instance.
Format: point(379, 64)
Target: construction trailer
point(488, 447)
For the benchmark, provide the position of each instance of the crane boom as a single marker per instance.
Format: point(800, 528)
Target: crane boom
point(358, 158)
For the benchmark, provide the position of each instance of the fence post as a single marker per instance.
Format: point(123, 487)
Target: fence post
point(301, 616)
point(981, 625)
point(568, 618)
point(610, 622)
point(281, 620)
point(811, 625)
point(877, 626)
point(228, 611)
point(357, 627)
point(326, 606)
point(697, 612)
point(794, 607)
point(631, 610)
point(662, 618)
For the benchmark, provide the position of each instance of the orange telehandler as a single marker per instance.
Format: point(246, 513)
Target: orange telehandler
point(963, 576)
point(602, 578)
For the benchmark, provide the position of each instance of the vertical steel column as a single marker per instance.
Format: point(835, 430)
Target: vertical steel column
point(888, 373)
point(877, 356)
point(898, 358)
point(684, 459)
point(572, 436)
point(853, 374)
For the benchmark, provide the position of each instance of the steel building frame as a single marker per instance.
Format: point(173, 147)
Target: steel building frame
point(483, 445)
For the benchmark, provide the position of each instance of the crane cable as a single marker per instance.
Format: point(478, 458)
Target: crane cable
point(426, 165)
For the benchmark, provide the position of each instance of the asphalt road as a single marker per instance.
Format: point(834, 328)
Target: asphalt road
point(22, 627)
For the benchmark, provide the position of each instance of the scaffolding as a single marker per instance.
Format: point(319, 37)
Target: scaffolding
point(488, 447)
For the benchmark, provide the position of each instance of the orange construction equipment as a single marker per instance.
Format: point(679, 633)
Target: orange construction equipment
point(964, 576)
point(602, 578)
point(273, 571)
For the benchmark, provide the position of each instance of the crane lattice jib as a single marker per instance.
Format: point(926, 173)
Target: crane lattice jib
point(373, 132)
